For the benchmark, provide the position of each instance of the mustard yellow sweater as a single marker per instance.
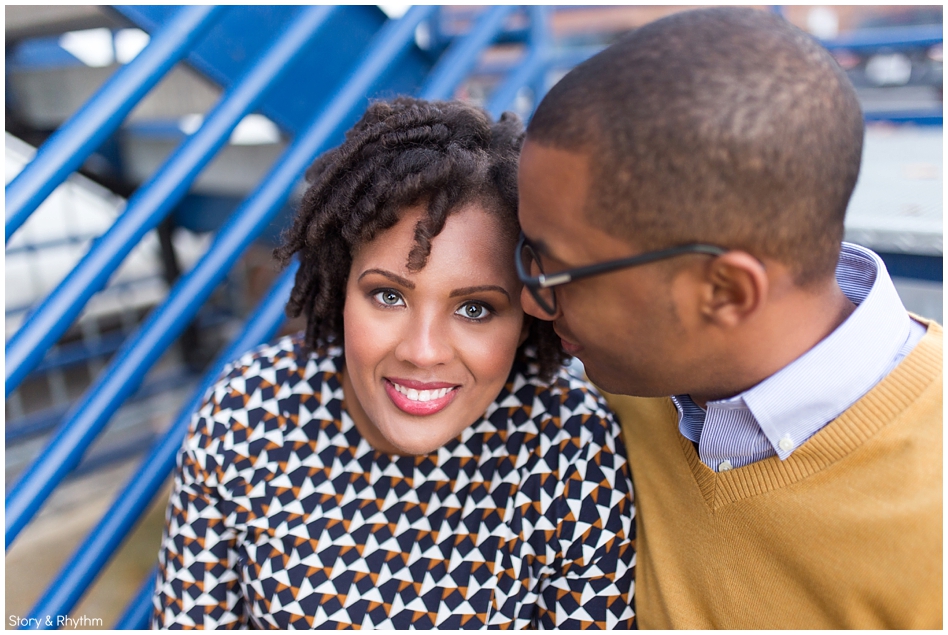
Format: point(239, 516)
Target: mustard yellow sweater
point(846, 533)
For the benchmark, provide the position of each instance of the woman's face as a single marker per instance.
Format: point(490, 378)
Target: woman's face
point(427, 351)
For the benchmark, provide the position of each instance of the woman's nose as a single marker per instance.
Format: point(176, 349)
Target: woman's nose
point(425, 343)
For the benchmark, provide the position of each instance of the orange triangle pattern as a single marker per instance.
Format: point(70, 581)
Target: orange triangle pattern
point(283, 517)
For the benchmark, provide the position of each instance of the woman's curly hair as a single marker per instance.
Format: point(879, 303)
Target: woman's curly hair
point(402, 153)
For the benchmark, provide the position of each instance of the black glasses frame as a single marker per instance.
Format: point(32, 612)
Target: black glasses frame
point(543, 281)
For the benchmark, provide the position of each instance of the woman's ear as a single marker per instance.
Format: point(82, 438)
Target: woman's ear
point(735, 288)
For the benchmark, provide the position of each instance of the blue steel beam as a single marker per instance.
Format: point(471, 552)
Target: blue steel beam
point(530, 70)
point(523, 75)
point(139, 610)
point(108, 535)
point(91, 413)
point(540, 40)
point(931, 117)
point(85, 131)
point(895, 38)
point(38, 423)
point(461, 56)
point(886, 37)
point(153, 201)
point(89, 559)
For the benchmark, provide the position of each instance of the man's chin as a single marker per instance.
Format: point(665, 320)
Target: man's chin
point(605, 381)
point(619, 382)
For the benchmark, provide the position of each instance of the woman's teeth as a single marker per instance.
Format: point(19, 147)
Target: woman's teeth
point(422, 395)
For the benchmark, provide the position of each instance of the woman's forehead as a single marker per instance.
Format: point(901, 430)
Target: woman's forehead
point(473, 240)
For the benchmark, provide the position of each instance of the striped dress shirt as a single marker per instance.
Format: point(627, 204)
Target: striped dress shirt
point(779, 414)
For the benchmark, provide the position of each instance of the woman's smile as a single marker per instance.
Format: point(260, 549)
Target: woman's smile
point(420, 399)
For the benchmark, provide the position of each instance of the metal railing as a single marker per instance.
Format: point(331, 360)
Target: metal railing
point(154, 200)
point(65, 151)
point(102, 115)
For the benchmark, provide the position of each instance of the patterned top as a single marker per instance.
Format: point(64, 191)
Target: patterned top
point(283, 516)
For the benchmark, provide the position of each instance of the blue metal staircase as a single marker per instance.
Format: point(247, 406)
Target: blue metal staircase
point(311, 70)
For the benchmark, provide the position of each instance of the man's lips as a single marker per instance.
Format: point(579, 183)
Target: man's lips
point(420, 398)
point(568, 346)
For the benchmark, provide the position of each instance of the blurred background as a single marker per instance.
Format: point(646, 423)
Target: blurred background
point(153, 156)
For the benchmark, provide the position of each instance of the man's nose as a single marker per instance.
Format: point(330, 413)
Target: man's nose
point(425, 342)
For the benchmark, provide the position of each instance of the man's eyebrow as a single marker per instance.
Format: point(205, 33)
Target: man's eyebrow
point(405, 282)
point(479, 289)
point(542, 249)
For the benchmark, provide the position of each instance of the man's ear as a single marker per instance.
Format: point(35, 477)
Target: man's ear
point(525, 329)
point(736, 287)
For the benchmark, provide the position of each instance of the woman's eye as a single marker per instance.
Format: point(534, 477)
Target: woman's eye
point(388, 297)
point(474, 311)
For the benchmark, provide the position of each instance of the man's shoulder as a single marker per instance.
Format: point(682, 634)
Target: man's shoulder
point(627, 407)
point(934, 329)
point(918, 377)
point(638, 415)
point(927, 358)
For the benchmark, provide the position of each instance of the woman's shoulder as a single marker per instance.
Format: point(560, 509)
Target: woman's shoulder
point(559, 428)
point(289, 353)
point(267, 385)
point(567, 401)
point(284, 363)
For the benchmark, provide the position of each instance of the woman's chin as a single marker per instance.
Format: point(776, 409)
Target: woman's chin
point(410, 443)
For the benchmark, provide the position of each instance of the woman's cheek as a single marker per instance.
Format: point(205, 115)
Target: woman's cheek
point(364, 330)
point(491, 350)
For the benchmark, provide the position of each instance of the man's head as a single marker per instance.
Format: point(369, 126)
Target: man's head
point(721, 126)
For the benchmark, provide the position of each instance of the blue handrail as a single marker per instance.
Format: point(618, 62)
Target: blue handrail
point(135, 617)
point(540, 38)
point(75, 577)
point(91, 413)
point(88, 417)
point(933, 117)
point(862, 40)
point(48, 419)
point(530, 68)
point(102, 541)
point(887, 37)
point(153, 201)
point(85, 131)
point(137, 613)
point(461, 56)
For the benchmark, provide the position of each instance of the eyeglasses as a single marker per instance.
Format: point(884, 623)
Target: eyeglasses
point(541, 286)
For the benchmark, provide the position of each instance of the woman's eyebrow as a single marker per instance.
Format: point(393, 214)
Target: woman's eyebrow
point(479, 289)
point(405, 282)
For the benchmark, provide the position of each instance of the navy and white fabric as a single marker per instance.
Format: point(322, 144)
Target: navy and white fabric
point(778, 415)
point(283, 516)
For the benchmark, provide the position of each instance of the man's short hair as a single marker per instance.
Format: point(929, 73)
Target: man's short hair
point(726, 126)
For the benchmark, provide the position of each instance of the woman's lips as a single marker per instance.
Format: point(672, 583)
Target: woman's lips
point(420, 398)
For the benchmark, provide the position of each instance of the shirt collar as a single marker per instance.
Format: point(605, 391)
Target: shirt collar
point(794, 403)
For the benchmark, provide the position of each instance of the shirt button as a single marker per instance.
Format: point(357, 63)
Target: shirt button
point(724, 466)
point(786, 443)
